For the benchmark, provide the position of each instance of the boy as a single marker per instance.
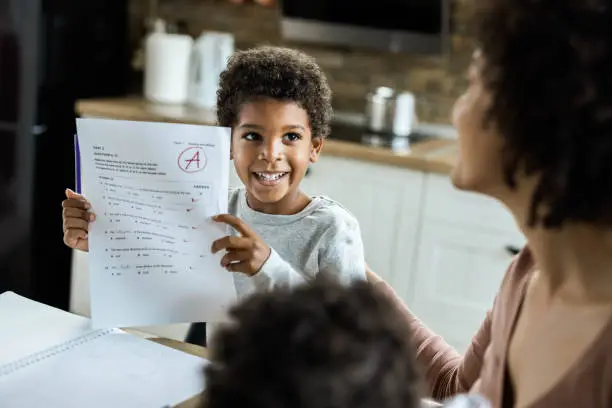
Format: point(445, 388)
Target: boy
point(322, 345)
point(278, 104)
point(318, 345)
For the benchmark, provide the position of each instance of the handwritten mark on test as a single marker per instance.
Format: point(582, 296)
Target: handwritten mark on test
point(192, 159)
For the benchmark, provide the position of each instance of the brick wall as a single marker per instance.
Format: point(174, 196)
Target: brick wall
point(436, 80)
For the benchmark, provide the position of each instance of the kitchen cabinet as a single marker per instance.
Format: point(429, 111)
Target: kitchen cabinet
point(446, 203)
point(464, 249)
point(457, 275)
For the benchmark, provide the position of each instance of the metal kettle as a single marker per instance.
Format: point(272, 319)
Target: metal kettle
point(390, 112)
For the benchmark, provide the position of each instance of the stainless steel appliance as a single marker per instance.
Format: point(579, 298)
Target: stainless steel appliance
point(393, 25)
point(390, 112)
point(52, 52)
point(380, 109)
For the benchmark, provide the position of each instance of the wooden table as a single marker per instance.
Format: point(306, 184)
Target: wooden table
point(196, 401)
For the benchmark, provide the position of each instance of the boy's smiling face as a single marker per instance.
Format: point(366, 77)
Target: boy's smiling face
point(272, 146)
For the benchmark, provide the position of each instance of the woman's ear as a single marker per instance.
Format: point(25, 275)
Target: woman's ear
point(315, 148)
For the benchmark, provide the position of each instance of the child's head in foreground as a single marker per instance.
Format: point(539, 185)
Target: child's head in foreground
point(322, 345)
point(278, 104)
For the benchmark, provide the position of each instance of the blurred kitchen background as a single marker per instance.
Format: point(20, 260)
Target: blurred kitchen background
point(437, 78)
point(389, 62)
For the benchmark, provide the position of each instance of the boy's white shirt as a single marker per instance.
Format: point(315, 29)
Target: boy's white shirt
point(467, 401)
point(322, 239)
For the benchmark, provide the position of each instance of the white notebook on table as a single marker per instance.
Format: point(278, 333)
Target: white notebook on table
point(52, 358)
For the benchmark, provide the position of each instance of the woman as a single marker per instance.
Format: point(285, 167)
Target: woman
point(535, 132)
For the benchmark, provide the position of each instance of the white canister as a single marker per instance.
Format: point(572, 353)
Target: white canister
point(405, 114)
point(167, 58)
point(211, 52)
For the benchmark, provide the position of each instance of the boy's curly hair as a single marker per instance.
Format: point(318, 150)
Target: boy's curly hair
point(322, 345)
point(278, 73)
point(548, 64)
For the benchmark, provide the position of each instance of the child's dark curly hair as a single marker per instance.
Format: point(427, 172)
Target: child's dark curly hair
point(548, 64)
point(278, 73)
point(322, 345)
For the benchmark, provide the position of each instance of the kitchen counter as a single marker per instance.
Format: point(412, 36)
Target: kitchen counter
point(427, 154)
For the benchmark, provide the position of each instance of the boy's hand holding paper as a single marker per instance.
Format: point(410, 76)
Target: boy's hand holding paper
point(76, 218)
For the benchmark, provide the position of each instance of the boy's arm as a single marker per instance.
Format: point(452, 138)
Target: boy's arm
point(340, 256)
point(276, 273)
point(341, 251)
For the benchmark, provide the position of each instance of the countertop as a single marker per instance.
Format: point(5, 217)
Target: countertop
point(423, 153)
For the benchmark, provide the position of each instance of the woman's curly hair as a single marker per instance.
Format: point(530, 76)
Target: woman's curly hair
point(548, 65)
point(278, 73)
point(319, 345)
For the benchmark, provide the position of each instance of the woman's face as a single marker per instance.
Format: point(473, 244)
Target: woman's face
point(479, 167)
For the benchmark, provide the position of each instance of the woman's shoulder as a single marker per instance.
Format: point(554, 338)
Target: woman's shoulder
point(500, 323)
point(515, 280)
point(511, 293)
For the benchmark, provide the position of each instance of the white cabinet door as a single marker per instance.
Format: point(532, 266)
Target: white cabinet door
point(386, 202)
point(458, 274)
point(234, 181)
point(446, 203)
